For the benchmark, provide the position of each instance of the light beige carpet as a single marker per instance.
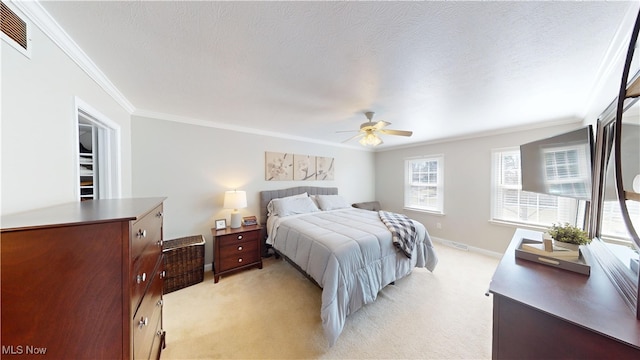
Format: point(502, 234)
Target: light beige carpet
point(274, 313)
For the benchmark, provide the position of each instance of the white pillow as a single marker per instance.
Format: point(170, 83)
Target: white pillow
point(270, 210)
point(332, 202)
point(315, 200)
point(291, 206)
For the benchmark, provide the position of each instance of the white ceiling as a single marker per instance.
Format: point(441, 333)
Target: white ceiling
point(309, 69)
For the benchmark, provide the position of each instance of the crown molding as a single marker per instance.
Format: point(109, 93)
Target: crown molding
point(243, 129)
point(486, 133)
point(43, 20)
point(613, 60)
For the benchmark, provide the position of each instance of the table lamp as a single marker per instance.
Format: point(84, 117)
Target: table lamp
point(235, 200)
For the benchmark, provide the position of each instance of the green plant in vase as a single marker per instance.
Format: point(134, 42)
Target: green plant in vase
point(569, 234)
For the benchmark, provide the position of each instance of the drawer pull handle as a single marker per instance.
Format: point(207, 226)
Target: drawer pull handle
point(141, 278)
point(159, 214)
point(159, 333)
point(144, 321)
point(159, 303)
point(239, 248)
point(239, 237)
point(240, 260)
point(160, 243)
point(163, 273)
point(141, 234)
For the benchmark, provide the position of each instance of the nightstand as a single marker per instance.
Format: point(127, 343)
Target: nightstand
point(235, 249)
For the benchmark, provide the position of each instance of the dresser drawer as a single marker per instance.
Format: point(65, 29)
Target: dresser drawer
point(146, 231)
point(141, 275)
point(146, 323)
point(237, 255)
point(158, 342)
point(236, 238)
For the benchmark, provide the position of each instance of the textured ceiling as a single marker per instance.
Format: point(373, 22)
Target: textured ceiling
point(309, 69)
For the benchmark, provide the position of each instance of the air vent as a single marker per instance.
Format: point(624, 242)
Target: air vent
point(13, 26)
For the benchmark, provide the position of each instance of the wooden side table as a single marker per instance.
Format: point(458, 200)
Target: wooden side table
point(235, 249)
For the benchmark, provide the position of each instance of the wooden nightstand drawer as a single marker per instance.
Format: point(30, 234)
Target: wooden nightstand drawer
point(238, 255)
point(232, 239)
point(245, 247)
point(236, 249)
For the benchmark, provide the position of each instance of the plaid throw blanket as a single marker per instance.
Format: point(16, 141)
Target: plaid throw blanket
point(403, 232)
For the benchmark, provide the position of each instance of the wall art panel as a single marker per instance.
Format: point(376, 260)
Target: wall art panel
point(278, 166)
point(304, 167)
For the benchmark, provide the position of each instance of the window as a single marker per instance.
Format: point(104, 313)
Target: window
point(424, 188)
point(511, 204)
point(613, 226)
point(566, 171)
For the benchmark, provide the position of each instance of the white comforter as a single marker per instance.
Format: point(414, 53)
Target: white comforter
point(349, 253)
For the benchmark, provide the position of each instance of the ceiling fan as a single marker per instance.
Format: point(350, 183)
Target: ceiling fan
point(369, 131)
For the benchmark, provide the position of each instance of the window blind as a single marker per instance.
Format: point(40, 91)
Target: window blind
point(424, 185)
point(510, 203)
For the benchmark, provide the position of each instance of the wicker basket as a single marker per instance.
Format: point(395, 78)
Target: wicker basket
point(183, 262)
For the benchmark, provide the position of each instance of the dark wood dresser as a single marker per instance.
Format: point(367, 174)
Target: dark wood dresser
point(541, 312)
point(83, 281)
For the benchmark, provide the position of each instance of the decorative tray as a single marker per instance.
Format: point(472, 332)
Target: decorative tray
point(579, 266)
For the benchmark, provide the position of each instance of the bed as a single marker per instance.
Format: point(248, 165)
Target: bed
point(348, 252)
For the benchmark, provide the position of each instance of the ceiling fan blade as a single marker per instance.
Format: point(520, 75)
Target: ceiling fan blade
point(353, 137)
point(369, 131)
point(380, 124)
point(395, 132)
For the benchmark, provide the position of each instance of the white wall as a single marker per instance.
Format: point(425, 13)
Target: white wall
point(467, 186)
point(37, 125)
point(194, 165)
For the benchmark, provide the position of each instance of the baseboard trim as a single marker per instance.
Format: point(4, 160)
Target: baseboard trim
point(208, 267)
point(465, 247)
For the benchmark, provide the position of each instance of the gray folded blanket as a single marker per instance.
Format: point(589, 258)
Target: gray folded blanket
point(403, 231)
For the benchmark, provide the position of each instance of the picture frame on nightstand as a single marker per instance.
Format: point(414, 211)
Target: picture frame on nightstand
point(221, 224)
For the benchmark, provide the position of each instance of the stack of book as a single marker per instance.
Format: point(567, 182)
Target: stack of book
point(558, 251)
point(249, 220)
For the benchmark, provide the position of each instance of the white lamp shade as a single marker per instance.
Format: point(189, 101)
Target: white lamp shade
point(235, 199)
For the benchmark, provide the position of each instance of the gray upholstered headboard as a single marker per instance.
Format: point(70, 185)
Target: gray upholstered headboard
point(267, 195)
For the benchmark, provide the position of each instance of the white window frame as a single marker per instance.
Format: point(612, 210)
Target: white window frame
point(566, 209)
point(109, 151)
point(437, 201)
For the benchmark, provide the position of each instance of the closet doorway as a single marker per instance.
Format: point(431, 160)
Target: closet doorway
point(98, 154)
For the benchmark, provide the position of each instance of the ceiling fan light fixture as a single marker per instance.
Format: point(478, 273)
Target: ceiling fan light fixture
point(370, 139)
point(368, 132)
